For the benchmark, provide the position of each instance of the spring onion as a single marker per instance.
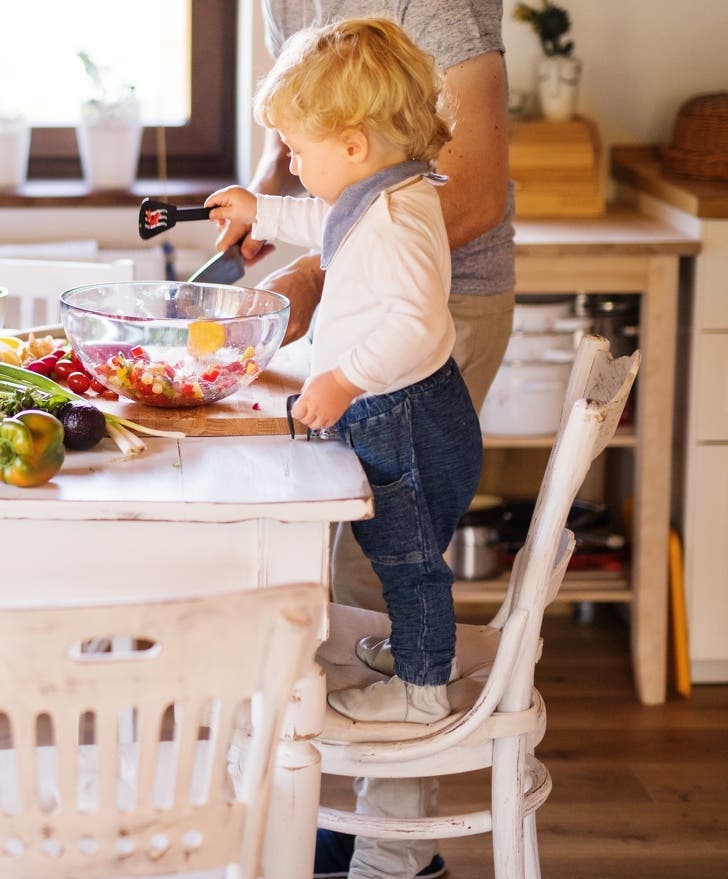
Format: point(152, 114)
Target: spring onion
point(47, 394)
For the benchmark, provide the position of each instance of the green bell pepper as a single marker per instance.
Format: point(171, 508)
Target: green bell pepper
point(31, 448)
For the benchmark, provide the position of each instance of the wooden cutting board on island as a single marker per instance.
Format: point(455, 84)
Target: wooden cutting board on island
point(256, 410)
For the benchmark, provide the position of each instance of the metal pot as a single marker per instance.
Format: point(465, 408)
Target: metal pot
point(614, 316)
point(476, 550)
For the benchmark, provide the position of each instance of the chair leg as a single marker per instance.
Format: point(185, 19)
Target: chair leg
point(533, 867)
point(508, 785)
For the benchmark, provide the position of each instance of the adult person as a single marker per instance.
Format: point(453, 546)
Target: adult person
point(477, 205)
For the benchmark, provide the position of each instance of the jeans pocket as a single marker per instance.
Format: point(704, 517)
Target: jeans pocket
point(394, 535)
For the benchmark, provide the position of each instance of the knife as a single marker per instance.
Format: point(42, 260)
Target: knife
point(226, 267)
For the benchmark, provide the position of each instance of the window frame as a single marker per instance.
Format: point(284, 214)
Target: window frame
point(206, 145)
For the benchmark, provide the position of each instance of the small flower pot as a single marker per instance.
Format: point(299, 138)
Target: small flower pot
point(109, 142)
point(14, 149)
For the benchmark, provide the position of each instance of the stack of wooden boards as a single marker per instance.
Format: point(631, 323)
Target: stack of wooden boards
point(558, 168)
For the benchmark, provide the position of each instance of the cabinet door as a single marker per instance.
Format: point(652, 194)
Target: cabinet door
point(710, 391)
point(706, 563)
point(711, 269)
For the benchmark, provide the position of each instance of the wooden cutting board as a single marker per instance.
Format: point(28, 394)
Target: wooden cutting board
point(235, 415)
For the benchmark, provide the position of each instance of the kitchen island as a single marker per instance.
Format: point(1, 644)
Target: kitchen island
point(188, 517)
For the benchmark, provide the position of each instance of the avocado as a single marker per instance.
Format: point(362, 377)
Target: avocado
point(83, 425)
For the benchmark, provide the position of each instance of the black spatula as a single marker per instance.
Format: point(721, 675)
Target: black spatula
point(158, 216)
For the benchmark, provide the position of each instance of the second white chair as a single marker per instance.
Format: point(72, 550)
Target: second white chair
point(35, 285)
point(77, 800)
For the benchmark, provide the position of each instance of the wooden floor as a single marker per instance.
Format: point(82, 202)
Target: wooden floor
point(638, 793)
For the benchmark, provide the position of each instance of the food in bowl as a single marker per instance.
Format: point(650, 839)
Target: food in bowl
point(167, 343)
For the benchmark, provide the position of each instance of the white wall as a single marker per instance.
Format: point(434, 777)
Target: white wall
point(641, 59)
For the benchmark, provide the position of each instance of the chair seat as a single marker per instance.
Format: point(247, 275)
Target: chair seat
point(476, 649)
point(342, 739)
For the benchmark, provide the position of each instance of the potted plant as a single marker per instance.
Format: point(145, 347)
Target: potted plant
point(110, 131)
point(558, 71)
point(14, 149)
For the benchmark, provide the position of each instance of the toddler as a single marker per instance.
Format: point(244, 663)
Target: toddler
point(356, 103)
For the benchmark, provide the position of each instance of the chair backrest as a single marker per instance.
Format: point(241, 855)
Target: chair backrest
point(595, 397)
point(35, 285)
point(160, 801)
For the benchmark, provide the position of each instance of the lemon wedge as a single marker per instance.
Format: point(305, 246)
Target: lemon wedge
point(205, 337)
point(10, 341)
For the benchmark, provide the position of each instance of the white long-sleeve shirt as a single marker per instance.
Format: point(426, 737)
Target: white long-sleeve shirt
point(383, 317)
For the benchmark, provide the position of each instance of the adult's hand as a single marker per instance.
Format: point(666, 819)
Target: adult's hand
point(301, 282)
point(252, 249)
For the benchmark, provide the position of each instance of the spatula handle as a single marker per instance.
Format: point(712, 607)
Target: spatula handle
point(192, 214)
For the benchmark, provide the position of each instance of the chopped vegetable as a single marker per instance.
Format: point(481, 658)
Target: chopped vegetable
point(21, 384)
point(162, 383)
point(31, 448)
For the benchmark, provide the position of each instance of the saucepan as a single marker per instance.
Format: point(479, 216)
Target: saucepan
point(476, 551)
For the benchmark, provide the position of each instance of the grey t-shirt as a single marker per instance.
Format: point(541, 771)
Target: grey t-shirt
point(452, 31)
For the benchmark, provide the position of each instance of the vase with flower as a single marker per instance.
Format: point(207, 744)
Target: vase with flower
point(559, 72)
point(14, 149)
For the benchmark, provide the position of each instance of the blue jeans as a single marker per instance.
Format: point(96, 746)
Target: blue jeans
point(421, 450)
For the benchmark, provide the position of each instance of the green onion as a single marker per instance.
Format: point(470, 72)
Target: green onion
point(15, 379)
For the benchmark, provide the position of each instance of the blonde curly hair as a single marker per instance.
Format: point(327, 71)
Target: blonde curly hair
point(360, 73)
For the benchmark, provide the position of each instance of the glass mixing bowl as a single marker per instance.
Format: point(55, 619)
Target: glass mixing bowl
point(169, 343)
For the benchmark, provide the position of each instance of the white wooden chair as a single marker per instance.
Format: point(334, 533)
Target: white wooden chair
point(164, 802)
point(35, 285)
point(498, 717)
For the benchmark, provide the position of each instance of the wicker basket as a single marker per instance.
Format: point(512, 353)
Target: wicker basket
point(699, 147)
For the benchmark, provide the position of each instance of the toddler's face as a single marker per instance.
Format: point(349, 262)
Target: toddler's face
point(323, 166)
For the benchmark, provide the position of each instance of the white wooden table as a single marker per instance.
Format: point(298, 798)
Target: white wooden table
point(227, 513)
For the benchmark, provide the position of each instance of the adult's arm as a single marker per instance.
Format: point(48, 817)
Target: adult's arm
point(476, 159)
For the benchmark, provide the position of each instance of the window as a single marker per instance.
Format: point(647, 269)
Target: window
point(180, 55)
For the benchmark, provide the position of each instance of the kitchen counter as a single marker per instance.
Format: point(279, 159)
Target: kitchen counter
point(701, 429)
point(640, 167)
point(624, 251)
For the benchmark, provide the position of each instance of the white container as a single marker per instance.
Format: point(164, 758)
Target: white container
point(541, 314)
point(3, 300)
point(527, 396)
point(109, 142)
point(14, 150)
point(534, 346)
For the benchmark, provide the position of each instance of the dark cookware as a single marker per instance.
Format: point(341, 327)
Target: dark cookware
point(596, 543)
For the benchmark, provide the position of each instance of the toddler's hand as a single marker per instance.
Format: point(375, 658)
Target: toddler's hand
point(324, 399)
point(234, 210)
